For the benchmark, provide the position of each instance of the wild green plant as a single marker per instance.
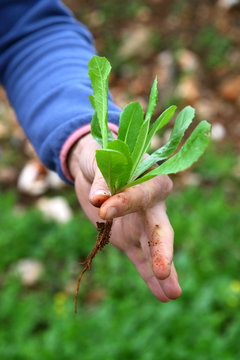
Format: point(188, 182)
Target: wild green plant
point(121, 161)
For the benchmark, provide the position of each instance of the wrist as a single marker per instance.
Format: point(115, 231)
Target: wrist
point(84, 143)
point(74, 156)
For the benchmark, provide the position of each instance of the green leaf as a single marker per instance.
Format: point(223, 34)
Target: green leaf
point(152, 101)
point(182, 122)
point(130, 123)
point(114, 166)
point(110, 136)
point(96, 131)
point(190, 152)
point(120, 146)
point(161, 121)
point(99, 71)
point(92, 101)
point(139, 147)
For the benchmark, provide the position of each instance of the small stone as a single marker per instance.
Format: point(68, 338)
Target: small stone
point(227, 4)
point(136, 43)
point(230, 88)
point(95, 19)
point(165, 72)
point(191, 179)
point(32, 179)
point(188, 61)
point(218, 132)
point(165, 69)
point(188, 89)
point(29, 271)
point(205, 108)
point(56, 209)
point(35, 179)
point(54, 181)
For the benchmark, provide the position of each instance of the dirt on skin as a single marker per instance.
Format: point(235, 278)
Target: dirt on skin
point(161, 264)
point(103, 238)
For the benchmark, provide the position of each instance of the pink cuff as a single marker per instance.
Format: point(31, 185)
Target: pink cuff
point(75, 136)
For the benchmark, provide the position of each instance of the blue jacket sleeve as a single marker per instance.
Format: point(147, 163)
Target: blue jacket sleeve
point(44, 54)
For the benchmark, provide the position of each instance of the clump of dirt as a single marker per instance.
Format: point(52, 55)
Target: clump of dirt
point(103, 238)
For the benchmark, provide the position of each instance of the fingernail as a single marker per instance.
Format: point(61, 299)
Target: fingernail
point(101, 193)
point(111, 213)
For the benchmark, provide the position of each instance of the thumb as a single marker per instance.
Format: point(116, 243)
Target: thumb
point(99, 191)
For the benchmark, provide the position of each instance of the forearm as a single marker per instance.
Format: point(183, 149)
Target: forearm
point(43, 66)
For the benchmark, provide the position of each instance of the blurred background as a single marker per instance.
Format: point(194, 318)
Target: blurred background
point(193, 48)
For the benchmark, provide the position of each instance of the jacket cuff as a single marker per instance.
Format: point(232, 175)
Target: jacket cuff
point(72, 139)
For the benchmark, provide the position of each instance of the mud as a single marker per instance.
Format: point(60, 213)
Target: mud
point(161, 263)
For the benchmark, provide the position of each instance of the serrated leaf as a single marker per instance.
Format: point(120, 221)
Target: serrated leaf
point(182, 122)
point(114, 166)
point(99, 71)
point(130, 123)
point(190, 152)
point(152, 101)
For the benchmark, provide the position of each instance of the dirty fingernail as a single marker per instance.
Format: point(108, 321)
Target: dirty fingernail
point(98, 200)
point(101, 193)
point(111, 213)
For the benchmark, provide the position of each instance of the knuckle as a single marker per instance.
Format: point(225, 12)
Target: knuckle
point(164, 185)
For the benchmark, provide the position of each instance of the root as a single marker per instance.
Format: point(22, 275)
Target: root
point(104, 232)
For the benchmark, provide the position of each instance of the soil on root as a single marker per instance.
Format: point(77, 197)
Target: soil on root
point(104, 233)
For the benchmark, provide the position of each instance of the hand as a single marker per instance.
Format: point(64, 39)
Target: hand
point(141, 227)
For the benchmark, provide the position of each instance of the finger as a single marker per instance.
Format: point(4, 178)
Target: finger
point(91, 211)
point(170, 286)
point(161, 238)
point(135, 198)
point(99, 192)
point(143, 267)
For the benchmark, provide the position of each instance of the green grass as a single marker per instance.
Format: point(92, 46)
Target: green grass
point(128, 322)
